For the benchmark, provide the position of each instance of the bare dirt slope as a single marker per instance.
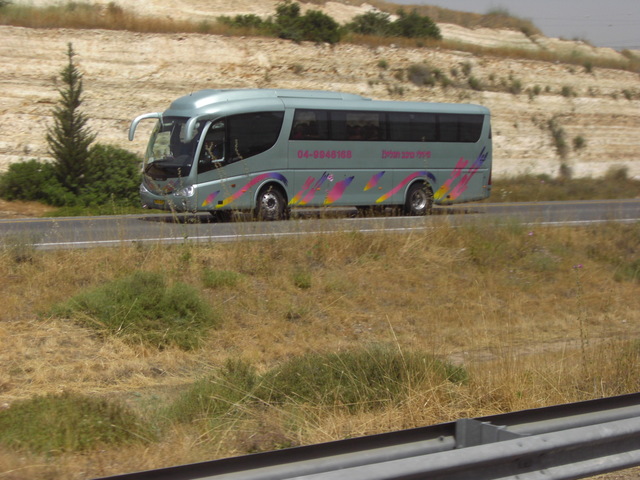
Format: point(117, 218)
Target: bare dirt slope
point(127, 74)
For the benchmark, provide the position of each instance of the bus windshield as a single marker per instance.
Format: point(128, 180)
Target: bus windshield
point(168, 155)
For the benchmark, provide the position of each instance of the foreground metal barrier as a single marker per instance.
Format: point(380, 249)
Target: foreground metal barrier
point(562, 442)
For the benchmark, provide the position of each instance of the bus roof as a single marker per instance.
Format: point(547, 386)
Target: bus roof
point(210, 104)
point(214, 101)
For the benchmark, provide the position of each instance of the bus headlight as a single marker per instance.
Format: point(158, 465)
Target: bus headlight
point(185, 191)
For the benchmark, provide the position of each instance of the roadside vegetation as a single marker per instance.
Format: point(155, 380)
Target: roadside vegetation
point(294, 341)
point(615, 184)
point(83, 176)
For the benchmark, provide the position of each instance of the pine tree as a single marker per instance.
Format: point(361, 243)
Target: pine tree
point(69, 138)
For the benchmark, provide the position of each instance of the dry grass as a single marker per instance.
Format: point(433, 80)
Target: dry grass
point(536, 317)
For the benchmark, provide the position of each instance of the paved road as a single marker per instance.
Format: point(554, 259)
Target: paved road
point(85, 232)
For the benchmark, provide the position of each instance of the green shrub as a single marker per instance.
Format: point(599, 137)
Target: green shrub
point(69, 423)
point(362, 379)
point(143, 308)
point(28, 181)
point(371, 23)
point(414, 25)
point(113, 177)
point(579, 142)
point(559, 137)
point(567, 91)
point(243, 21)
point(475, 84)
point(420, 74)
point(313, 26)
point(515, 86)
point(366, 379)
point(319, 27)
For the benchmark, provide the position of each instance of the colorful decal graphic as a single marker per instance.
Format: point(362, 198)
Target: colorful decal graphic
point(373, 181)
point(305, 187)
point(403, 183)
point(210, 198)
point(464, 181)
point(247, 187)
point(309, 189)
point(337, 191)
point(446, 186)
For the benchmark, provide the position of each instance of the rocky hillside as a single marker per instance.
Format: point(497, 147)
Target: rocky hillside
point(127, 74)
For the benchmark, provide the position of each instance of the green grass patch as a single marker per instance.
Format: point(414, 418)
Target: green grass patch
point(224, 392)
point(144, 308)
point(220, 278)
point(361, 379)
point(357, 380)
point(68, 422)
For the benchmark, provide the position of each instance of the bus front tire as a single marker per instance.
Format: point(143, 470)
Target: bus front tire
point(270, 205)
point(419, 200)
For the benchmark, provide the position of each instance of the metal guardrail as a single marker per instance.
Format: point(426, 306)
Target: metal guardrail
point(569, 441)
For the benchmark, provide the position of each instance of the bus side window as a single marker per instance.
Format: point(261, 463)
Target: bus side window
point(309, 125)
point(253, 133)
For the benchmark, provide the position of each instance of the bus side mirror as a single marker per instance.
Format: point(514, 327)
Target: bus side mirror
point(137, 120)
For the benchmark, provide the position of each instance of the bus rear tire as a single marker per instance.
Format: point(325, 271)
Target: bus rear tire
point(270, 205)
point(419, 200)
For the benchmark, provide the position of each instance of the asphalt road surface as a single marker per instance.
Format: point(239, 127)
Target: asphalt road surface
point(89, 232)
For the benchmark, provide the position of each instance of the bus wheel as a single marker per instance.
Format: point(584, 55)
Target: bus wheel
point(270, 205)
point(419, 200)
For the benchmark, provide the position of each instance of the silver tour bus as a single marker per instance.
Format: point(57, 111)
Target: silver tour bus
point(267, 151)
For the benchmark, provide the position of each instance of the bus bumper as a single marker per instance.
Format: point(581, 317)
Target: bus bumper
point(183, 200)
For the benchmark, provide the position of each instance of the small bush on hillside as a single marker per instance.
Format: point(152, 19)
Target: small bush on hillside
point(579, 142)
point(143, 308)
point(243, 21)
point(475, 84)
point(559, 137)
point(313, 26)
point(407, 25)
point(421, 75)
point(68, 422)
point(372, 23)
point(414, 25)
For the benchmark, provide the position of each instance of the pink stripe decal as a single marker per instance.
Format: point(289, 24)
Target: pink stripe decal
point(316, 186)
point(302, 191)
point(442, 191)
point(210, 198)
point(337, 191)
point(373, 181)
point(464, 181)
